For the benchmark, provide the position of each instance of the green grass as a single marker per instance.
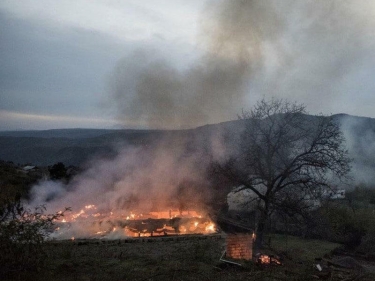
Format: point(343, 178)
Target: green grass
point(299, 248)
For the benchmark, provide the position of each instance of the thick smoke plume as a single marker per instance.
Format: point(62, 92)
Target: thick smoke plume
point(154, 93)
point(306, 51)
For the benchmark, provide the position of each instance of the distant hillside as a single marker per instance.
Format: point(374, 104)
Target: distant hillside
point(75, 146)
point(48, 147)
point(58, 133)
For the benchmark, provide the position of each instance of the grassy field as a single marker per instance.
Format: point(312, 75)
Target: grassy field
point(306, 250)
point(193, 258)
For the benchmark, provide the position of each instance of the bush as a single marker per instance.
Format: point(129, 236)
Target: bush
point(22, 233)
point(368, 242)
point(348, 226)
point(58, 171)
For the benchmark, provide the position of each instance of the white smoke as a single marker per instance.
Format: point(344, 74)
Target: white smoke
point(138, 179)
point(359, 134)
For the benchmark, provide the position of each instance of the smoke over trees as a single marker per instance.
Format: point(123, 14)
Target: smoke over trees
point(247, 49)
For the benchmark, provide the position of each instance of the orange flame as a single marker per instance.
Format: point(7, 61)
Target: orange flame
point(154, 223)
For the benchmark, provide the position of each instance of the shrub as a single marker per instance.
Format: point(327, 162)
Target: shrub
point(368, 242)
point(347, 225)
point(22, 233)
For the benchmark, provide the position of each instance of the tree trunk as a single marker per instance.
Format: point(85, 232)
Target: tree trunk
point(258, 245)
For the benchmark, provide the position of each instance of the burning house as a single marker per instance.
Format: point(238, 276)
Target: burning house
point(139, 193)
point(121, 224)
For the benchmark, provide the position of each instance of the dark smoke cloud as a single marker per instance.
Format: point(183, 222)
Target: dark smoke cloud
point(301, 50)
point(149, 90)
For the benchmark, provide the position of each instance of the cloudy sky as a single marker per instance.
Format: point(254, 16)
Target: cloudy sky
point(178, 63)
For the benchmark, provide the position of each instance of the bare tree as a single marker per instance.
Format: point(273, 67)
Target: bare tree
point(283, 151)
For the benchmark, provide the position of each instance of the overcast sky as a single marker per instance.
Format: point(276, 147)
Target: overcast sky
point(179, 63)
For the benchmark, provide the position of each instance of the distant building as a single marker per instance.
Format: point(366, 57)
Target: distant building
point(27, 169)
point(35, 171)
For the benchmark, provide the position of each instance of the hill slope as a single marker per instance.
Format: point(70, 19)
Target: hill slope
point(76, 146)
